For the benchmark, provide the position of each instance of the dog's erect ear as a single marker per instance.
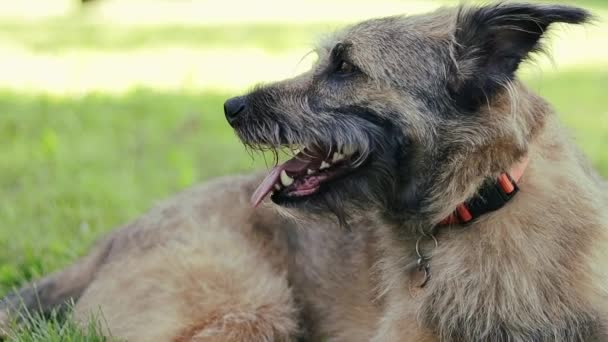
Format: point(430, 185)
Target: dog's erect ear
point(491, 41)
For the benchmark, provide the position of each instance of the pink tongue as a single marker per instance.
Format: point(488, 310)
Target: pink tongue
point(264, 189)
point(294, 165)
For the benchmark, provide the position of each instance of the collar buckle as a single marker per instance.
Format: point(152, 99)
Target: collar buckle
point(493, 195)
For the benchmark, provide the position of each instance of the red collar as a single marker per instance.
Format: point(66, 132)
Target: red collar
point(493, 195)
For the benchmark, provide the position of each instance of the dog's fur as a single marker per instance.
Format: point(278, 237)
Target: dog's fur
point(434, 109)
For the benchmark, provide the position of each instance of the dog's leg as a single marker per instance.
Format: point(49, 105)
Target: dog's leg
point(55, 291)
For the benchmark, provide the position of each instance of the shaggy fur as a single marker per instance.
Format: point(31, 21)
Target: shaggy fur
point(432, 106)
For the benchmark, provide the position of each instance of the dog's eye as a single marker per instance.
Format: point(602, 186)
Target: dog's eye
point(345, 68)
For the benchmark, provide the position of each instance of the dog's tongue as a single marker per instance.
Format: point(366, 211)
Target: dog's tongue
point(295, 165)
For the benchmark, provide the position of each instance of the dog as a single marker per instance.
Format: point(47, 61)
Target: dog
point(430, 196)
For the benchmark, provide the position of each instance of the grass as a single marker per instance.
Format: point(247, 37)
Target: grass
point(63, 34)
point(66, 157)
point(75, 164)
point(579, 96)
point(57, 329)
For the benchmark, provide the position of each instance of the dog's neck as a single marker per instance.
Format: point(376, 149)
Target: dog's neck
point(492, 196)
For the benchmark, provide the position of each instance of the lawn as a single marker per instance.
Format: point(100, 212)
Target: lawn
point(101, 119)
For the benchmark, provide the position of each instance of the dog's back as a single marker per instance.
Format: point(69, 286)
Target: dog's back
point(200, 266)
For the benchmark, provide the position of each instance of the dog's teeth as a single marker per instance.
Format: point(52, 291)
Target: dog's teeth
point(348, 150)
point(324, 165)
point(310, 172)
point(277, 187)
point(285, 179)
point(337, 157)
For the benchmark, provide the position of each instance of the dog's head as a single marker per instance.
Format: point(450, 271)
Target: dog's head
point(402, 113)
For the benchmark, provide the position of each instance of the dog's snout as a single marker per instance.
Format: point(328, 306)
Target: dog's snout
point(233, 107)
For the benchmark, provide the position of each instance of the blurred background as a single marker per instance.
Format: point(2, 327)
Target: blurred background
point(107, 106)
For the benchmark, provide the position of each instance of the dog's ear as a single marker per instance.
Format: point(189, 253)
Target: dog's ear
point(490, 42)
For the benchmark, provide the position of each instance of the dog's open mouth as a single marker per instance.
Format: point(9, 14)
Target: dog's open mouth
point(304, 174)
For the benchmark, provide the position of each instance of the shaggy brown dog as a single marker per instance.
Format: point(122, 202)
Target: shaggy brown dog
point(435, 198)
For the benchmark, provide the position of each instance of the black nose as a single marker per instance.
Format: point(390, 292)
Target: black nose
point(233, 107)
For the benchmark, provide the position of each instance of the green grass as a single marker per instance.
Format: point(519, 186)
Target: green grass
point(579, 96)
point(35, 328)
point(74, 166)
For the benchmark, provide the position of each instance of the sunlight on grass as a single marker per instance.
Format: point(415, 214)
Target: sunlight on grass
point(80, 72)
point(35, 9)
point(96, 51)
point(240, 12)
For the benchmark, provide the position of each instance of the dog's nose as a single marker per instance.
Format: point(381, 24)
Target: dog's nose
point(233, 107)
